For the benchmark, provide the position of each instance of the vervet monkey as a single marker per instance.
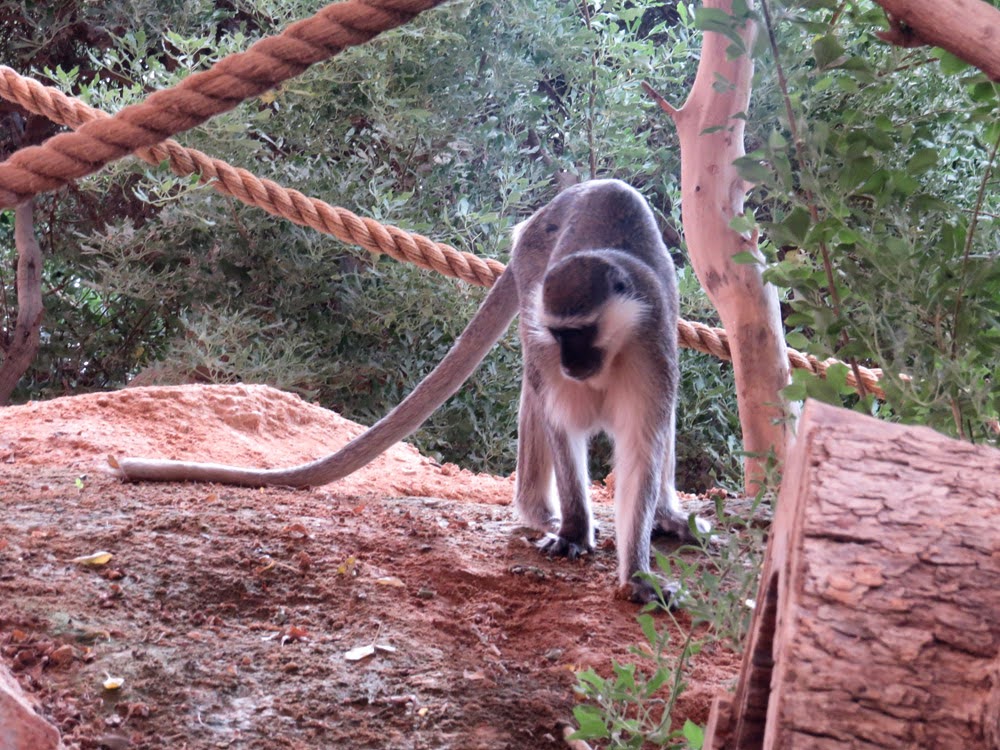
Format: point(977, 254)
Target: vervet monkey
point(597, 293)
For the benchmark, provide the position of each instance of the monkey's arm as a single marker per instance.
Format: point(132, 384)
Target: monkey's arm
point(483, 331)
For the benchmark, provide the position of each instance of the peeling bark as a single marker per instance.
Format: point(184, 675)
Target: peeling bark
point(878, 619)
point(23, 344)
point(710, 126)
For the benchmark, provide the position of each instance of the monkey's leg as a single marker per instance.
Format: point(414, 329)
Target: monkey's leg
point(639, 467)
point(670, 518)
point(534, 494)
point(576, 531)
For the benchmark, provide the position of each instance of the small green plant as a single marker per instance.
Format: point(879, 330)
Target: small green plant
point(634, 705)
point(714, 581)
point(717, 584)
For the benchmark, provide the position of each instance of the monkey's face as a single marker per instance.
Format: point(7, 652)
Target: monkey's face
point(589, 308)
point(579, 354)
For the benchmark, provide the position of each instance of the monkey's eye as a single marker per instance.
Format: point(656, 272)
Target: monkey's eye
point(619, 287)
point(574, 337)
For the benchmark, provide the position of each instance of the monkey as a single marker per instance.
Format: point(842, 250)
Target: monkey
point(597, 293)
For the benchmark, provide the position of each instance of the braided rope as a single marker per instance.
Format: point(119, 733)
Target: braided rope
point(268, 62)
point(346, 226)
point(263, 193)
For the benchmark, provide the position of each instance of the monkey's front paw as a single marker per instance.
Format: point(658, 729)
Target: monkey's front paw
point(554, 545)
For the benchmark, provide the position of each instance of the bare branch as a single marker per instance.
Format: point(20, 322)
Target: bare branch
point(24, 340)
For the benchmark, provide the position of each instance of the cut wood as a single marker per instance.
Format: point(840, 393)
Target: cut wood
point(878, 618)
point(20, 727)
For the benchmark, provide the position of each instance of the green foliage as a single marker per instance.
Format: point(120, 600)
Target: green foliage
point(717, 585)
point(714, 581)
point(633, 705)
point(879, 200)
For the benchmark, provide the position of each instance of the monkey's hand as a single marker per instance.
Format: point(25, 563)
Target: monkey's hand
point(554, 545)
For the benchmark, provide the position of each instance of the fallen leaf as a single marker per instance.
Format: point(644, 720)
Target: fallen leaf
point(112, 683)
point(359, 653)
point(385, 647)
point(113, 463)
point(346, 568)
point(390, 581)
point(295, 633)
point(98, 558)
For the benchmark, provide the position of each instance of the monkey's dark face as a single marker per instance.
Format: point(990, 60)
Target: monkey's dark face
point(588, 306)
point(579, 354)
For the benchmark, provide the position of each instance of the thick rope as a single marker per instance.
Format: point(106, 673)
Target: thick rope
point(266, 194)
point(69, 156)
point(346, 226)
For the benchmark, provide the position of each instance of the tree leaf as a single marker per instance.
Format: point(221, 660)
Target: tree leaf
point(96, 559)
point(827, 50)
point(922, 160)
point(359, 653)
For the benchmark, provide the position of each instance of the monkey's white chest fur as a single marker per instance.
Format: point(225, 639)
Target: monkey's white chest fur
point(613, 400)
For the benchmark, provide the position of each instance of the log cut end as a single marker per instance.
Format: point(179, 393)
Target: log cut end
point(878, 617)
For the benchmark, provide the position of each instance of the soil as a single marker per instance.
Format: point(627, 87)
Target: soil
point(231, 614)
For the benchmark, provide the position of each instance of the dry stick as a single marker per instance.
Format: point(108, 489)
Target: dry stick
point(69, 156)
point(969, 236)
point(27, 329)
point(346, 226)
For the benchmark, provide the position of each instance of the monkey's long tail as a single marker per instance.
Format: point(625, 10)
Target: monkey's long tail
point(486, 327)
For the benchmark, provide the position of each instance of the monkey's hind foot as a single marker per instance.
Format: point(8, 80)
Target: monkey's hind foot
point(677, 525)
point(642, 591)
point(554, 545)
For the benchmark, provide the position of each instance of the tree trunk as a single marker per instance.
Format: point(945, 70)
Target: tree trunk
point(710, 126)
point(969, 29)
point(878, 618)
point(23, 342)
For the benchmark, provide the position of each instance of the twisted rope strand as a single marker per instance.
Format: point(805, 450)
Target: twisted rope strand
point(263, 193)
point(268, 62)
point(346, 226)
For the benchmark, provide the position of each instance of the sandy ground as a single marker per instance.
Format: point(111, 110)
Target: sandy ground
point(231, 613)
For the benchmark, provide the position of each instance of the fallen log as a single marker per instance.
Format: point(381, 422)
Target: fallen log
point(877, 623)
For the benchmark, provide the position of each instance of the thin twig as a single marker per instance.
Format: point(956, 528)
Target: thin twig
point(664, 104)
point(966, 254)
point(591, 94)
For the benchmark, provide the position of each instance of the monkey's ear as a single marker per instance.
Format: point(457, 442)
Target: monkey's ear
point(517, 231)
